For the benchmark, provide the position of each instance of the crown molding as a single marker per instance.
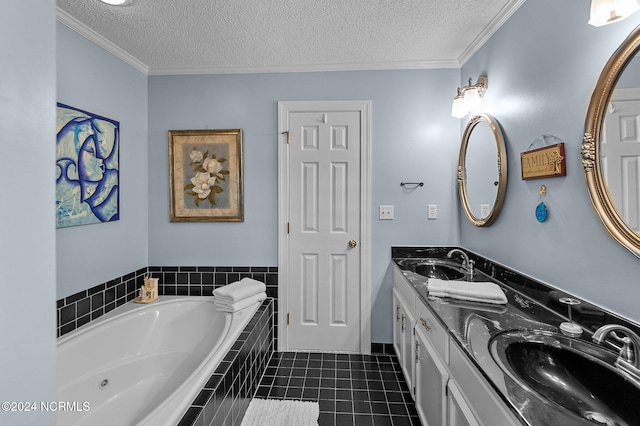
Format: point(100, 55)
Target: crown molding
point(263, 69)
point(502, 17)
point(77, 26)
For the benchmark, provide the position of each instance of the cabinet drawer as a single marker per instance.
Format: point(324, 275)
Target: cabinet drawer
point(405, 289)
point(433, 330)
point(488, 407)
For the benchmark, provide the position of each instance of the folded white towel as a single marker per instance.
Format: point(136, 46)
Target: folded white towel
point(241, 304)
point(239, 290)
point(486, 292)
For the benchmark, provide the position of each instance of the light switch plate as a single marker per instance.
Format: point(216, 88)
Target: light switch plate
point(386, 212)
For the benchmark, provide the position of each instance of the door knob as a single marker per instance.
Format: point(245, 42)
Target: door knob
point(353, 243)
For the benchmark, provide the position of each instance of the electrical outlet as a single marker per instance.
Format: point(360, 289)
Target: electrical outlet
point(386, 212)
point(485, 209)
point(432, 211)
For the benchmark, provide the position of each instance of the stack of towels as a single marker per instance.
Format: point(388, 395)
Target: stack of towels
point(486, 292)
point(239, 295)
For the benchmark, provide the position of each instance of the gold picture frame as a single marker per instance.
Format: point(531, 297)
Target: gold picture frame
point(500, 171)
point(610, 214)
point(205, 175)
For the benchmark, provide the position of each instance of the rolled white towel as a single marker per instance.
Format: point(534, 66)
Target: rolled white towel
point(241, 304)
point(239, 290)
point(486, 292)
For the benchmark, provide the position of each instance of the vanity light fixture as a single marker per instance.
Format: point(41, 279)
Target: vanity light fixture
point(605, 12)
point(469, 97)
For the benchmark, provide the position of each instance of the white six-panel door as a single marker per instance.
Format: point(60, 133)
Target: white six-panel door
point(322, 290)
point(620, 149)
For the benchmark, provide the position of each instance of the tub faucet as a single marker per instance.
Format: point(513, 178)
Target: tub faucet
point(466, 262)
point(627, 360)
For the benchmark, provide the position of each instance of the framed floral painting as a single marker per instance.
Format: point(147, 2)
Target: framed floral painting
point(205, 175)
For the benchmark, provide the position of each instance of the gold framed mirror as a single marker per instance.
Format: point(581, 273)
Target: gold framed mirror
point(482, 170)
point(611, 145)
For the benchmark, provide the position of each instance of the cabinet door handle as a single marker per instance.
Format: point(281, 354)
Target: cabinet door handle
point(417, 352)
point(424, 324)
point(403, 322)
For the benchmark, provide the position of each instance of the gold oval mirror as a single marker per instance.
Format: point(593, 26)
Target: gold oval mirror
point(611, 145)
point(482, 170)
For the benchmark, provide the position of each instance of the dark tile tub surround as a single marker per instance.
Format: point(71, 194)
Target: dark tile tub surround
point(201, 280)
point(80, 308)
point(226, 396)
point(589, 316)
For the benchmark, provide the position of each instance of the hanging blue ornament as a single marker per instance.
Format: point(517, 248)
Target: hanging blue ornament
point(541, 212)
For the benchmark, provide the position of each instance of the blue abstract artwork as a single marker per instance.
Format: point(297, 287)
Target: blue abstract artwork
point(87, 168)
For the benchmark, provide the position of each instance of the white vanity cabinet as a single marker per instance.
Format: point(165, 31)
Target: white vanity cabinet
point(448, 389)
point(397, 326)
point(430, 382)
point(438, 400)
point(488, 408)
point(459, 413)
point(403, 342)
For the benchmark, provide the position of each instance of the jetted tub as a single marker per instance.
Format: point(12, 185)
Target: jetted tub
point(143, 364)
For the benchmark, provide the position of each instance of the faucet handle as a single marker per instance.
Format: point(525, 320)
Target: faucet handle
point(626, 351)
point(470, 265)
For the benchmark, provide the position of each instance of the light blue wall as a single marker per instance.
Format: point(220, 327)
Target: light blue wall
point(414, 138)
point(543, 65)
point(27, 236)
point(93, 80)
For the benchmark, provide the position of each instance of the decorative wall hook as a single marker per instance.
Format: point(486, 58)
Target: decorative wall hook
point(541, 210)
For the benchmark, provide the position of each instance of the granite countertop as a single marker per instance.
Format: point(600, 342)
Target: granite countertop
point(473, 325)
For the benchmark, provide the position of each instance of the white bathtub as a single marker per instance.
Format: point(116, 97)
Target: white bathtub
point(143, 364)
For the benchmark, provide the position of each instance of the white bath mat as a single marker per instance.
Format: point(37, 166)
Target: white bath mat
point(279, 412)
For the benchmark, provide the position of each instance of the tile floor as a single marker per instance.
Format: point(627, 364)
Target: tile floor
point(350, 389)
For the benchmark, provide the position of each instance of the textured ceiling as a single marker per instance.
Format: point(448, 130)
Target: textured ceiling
point(231, 36)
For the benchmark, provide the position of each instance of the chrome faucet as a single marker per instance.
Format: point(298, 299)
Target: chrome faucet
point(627, 360)
point(466, 262)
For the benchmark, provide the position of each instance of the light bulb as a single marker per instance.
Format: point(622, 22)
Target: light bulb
point(114, 2)
point(472, 99)
point(458, 110)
